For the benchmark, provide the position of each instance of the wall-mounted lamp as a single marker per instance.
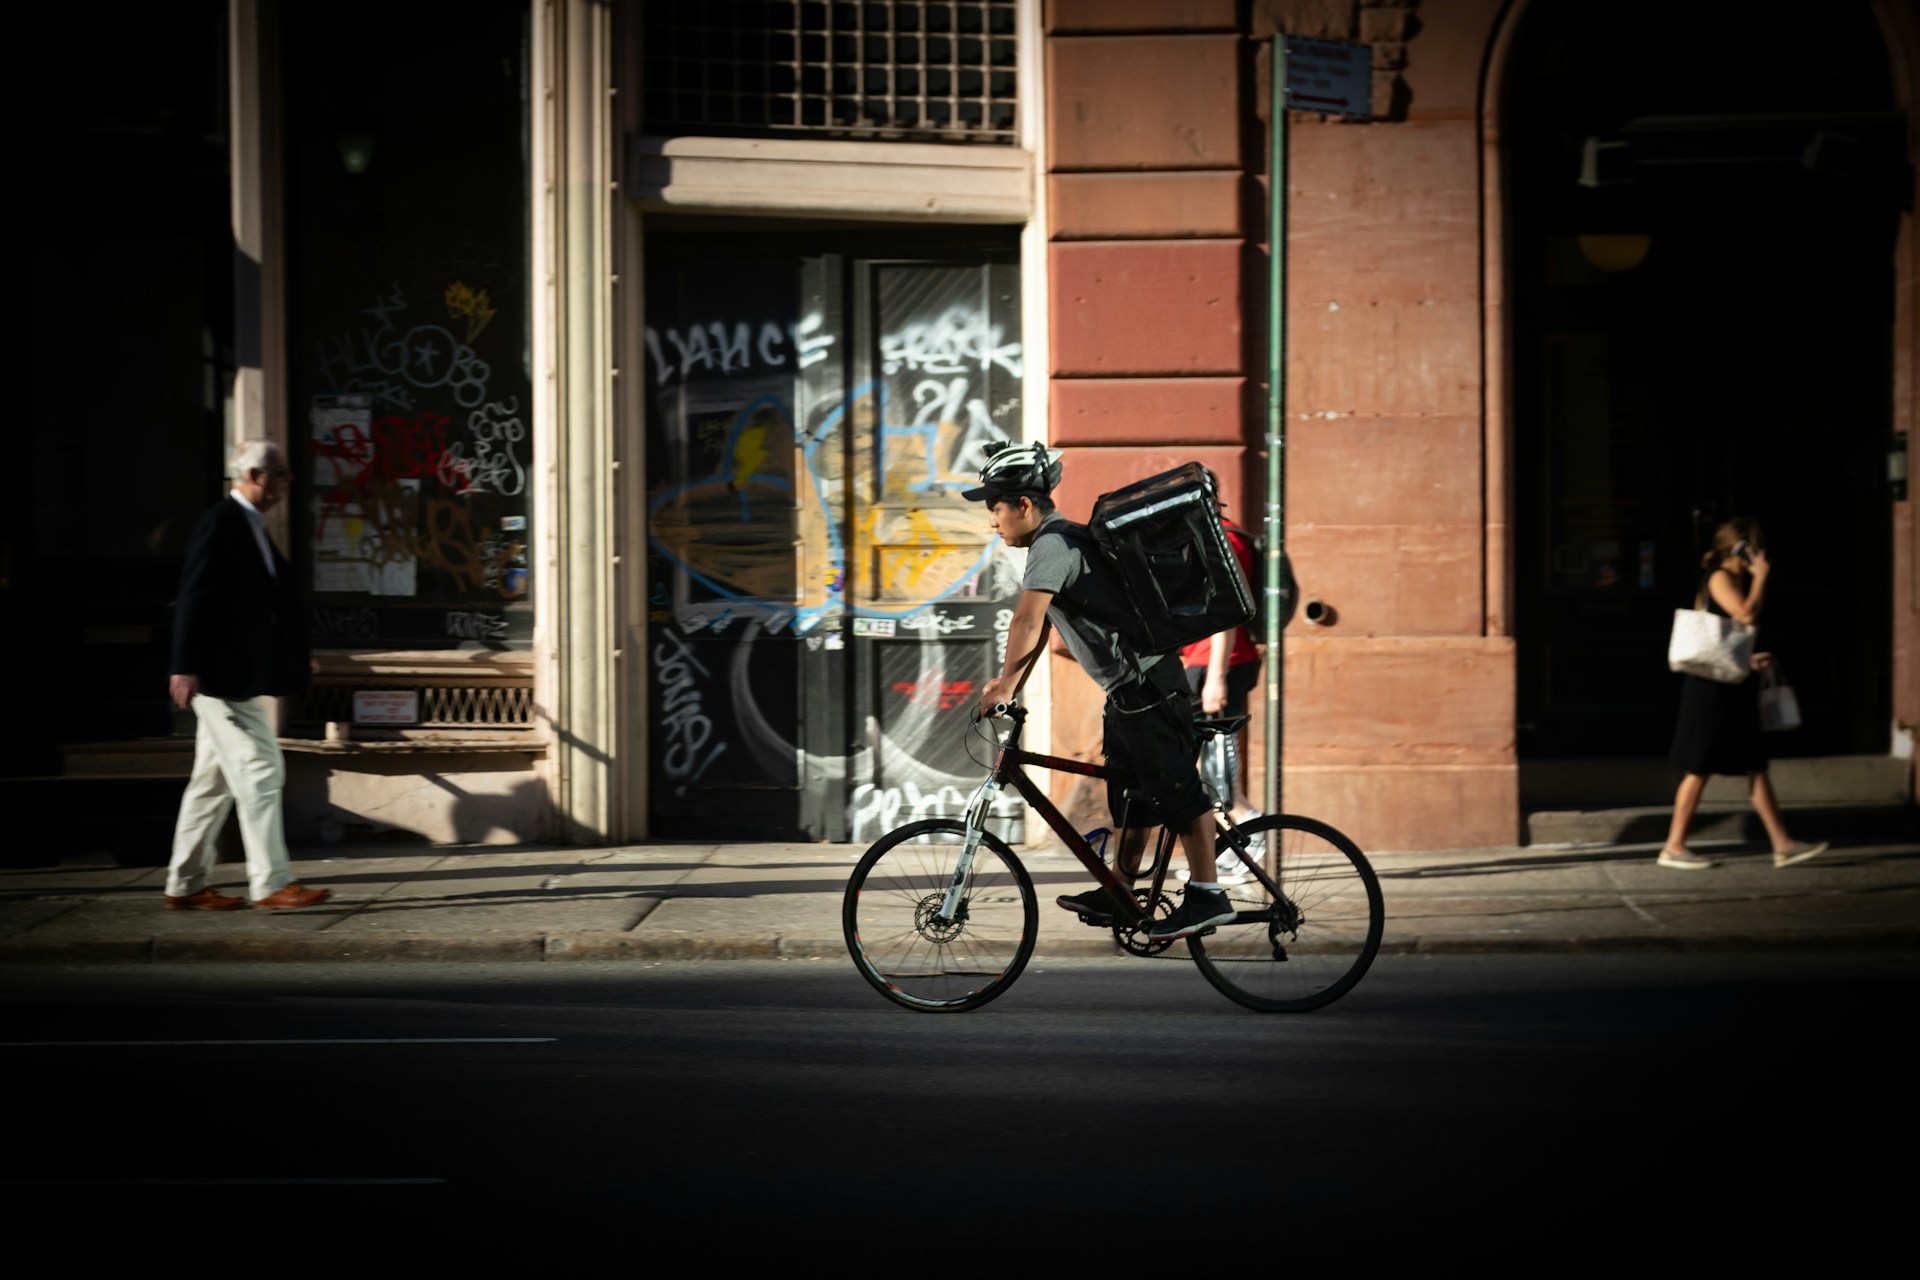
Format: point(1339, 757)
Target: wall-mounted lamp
point(1831, 153)
point(1614, 254)
point(1603, 164)
point(356, 151)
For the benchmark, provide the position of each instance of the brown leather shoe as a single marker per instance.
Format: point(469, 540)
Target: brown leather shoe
point(292, 896)
point(205, 900)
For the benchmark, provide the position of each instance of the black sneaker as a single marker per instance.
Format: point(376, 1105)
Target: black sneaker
point(1202, 908)
point(1094, 907)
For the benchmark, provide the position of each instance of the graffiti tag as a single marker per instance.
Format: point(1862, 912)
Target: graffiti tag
point(686, 728)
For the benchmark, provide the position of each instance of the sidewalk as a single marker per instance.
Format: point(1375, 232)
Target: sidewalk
point(734, 901)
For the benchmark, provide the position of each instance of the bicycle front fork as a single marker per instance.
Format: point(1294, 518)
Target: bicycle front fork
point(978, 807)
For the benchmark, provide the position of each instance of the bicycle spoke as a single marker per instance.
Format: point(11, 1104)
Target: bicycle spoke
point(1312, 942)
point(899, 940)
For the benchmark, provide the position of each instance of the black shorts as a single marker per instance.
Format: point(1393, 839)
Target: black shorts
point(1149, 740)
point(1240, 682)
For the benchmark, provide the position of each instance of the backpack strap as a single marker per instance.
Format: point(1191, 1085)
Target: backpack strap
point(1033, 660)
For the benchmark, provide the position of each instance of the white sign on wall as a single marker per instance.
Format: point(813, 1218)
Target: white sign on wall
point(386, 706)
point(1330, 76)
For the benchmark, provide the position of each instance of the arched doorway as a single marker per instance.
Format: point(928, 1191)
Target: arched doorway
point(1700, 263)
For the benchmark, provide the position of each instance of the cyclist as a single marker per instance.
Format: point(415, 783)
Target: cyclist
point(1147, 723)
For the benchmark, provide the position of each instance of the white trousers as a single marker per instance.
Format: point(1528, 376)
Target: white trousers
point(236, 761)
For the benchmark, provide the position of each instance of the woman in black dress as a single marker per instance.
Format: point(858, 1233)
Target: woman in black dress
point(1719, 726)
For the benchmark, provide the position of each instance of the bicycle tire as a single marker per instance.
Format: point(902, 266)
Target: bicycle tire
point(1312, 947)
point(887, 916)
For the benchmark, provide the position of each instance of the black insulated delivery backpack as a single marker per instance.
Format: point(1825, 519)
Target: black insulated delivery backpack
point(1178, 573)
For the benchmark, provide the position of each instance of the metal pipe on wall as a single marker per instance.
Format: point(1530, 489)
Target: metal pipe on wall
point(1275, 668)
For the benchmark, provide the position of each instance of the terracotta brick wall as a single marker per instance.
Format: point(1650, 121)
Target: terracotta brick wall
point(1152, 284)
point(1399, 717)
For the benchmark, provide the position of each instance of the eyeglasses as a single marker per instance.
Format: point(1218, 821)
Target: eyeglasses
point(274, 473)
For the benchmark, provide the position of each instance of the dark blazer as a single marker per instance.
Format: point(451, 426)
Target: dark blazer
point(235, 626)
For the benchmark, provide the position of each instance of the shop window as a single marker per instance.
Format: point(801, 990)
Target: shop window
point(409, 322)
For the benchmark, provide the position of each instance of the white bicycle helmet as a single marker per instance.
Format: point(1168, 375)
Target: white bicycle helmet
point(1014, 469)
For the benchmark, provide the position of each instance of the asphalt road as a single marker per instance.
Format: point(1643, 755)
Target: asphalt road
point(1466, 1110)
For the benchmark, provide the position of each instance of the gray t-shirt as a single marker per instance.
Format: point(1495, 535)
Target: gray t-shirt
point(1053, 565)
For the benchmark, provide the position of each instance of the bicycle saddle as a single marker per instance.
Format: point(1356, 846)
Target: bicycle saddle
point(1207, 726)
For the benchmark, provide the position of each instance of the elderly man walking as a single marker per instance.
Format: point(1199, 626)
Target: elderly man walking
point(238, 640)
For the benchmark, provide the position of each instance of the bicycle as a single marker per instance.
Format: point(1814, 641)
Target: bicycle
point(940, 915)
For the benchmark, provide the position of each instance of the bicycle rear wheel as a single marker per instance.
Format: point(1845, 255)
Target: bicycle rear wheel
point(1307, 947)
point(911, 957)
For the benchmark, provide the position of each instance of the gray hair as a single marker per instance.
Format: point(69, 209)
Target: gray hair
point(250, 455)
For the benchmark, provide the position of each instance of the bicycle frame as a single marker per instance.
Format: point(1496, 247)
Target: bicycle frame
point(1007, 770)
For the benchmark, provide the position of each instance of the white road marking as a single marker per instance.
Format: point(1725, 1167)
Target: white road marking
point(218, 1182)
point(124, 1044)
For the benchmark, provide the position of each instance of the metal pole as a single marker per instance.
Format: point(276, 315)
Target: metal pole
point(1276, 665)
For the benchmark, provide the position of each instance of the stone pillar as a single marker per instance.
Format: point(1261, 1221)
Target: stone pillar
point(575, 683)
point(258, 408)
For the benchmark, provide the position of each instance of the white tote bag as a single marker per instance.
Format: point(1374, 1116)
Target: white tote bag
point(1710, 646)
point(1779, 709)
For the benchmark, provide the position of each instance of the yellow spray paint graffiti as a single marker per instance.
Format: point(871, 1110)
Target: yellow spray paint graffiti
point(464, 300)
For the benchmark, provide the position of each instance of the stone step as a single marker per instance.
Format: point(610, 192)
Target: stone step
point(1649, 782)
point(1722, 821)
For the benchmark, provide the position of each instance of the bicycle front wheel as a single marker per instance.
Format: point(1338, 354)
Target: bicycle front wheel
point(898, 940)
point(1306, 945)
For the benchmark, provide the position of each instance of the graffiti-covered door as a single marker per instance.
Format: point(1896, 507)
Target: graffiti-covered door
point(938, 368)
point(823, 604)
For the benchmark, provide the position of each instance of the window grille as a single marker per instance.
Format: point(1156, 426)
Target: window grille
point(914, 70)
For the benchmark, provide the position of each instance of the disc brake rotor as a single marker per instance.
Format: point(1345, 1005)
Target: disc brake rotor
point(927, 924)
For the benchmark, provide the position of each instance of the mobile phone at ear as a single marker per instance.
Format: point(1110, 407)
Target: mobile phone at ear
point(1742, 550)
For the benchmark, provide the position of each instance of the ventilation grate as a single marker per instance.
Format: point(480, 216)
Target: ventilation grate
point(441, 707)
point(917, 70)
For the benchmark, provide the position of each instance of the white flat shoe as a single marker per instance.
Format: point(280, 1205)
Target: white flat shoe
point(1684, 861)
point(1799, 853)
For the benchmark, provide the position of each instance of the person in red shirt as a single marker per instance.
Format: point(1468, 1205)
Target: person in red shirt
point(1221, 671)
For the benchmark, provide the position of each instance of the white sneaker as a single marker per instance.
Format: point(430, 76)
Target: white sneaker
point(1257, 842)
point(1228, 870)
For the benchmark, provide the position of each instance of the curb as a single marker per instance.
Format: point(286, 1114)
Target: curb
point(1626, 944)
point(605, 946)
point(674, 946)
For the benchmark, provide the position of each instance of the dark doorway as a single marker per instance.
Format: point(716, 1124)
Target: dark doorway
point(824, 604)
point(130, 265)
point(1702, 241)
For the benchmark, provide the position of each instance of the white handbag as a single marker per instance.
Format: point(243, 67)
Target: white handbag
point(1779, 709)
point(1710, 645)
